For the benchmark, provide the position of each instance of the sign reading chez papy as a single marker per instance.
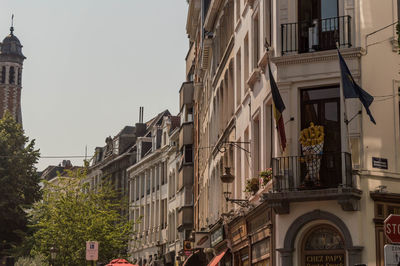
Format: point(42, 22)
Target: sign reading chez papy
point(325, 260)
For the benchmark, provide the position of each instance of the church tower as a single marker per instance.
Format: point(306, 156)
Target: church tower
point(11, 61)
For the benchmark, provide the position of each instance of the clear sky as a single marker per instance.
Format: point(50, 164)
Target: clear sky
point(91, 64)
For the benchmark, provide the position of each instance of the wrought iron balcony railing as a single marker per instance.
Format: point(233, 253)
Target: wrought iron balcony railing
point(316, 35)
point(309, 172)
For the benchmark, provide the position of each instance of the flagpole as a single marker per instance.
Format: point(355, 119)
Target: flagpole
point(346, 121)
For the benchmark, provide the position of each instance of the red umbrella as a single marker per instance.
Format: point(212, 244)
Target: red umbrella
point(120, 262)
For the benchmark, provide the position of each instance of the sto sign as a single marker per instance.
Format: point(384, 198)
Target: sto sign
point(392, 228)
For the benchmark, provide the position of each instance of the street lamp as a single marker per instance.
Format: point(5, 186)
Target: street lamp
point(53, 254)
point(227, 179)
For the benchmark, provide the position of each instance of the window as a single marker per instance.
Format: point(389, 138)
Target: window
point(322, 107)
point(11, 78)
point(238, 78)
point(319, 243)
point(256, 41)
point(19, 76)
point(246, 147)
point(3, 74)
point(256, 146)
point(246, 58)
point(267, 21)
point(187, 154)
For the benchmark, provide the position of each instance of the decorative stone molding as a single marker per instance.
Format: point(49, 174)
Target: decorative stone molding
point(304, 58)
point(395, 45)
point(354, 252)
point(254, 77)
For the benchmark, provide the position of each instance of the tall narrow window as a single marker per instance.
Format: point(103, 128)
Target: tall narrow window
point(238, 78)
point(11, 78)
point(256, 146)
point(267, 21)
point(247, 161)
point(239, 176)
point(256, 41)
point(19, 76)
point(246, 58)
point(3, 74)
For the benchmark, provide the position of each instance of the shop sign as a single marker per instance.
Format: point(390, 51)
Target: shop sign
point(392, 255)
point(217, 236)
point(325, 260)
point(380, 163)
point(202, 240)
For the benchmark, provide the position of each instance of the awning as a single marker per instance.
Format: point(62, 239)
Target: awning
point(217, 258)
point(186, 261)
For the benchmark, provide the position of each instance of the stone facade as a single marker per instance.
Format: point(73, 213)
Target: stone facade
point(355, 186)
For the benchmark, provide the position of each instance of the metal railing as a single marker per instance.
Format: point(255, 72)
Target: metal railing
point(316, 171)
point(316, 35)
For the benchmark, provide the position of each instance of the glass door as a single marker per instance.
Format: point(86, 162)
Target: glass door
point(318, 25)
point(322, 107)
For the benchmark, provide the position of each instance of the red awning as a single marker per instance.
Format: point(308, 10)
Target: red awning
point(217, 258)
point(188, 258)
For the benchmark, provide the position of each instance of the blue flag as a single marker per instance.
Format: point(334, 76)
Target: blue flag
point(352, 90)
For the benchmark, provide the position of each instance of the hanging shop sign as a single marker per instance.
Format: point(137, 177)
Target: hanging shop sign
point(202, 240)
point(217, 236)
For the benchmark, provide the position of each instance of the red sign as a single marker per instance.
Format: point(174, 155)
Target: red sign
point(392, 228)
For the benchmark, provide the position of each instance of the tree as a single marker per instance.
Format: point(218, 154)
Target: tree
point(71, 213)
point(19, 182)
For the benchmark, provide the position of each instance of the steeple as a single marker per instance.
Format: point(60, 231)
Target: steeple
point(11, 63)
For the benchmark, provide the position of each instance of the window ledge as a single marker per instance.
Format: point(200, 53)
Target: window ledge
point(254, 77)
point(263, 62)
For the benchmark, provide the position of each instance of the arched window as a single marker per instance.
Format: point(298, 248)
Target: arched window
point(3, 74)
point(323, 245)
point(19, 76)
point(11, 78)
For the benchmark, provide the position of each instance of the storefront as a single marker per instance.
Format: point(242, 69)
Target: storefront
point(240, 243)
point(219, 243)
point(252, 239)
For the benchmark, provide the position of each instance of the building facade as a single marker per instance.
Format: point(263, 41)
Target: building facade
point(148, 197)
point(337, 196)
point(11, 63)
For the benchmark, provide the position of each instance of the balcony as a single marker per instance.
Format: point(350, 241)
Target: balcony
point(316, 35)
point(185, 218)
point(186, 134)
point(186, 94)
point(316, 177)
point(185, 177)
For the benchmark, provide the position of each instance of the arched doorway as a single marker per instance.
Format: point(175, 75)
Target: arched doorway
point(323, 245)
point(353, 253)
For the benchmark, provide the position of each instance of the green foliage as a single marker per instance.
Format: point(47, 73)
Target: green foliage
point(19, 182)
point(38, 260)
point(71, 214)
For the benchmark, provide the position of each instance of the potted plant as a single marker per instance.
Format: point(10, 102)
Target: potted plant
point(252, 185)
point(266, 176)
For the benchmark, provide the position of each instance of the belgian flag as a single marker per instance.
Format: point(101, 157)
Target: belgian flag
point(278, 107)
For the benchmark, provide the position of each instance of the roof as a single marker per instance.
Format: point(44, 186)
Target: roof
point(11, 45)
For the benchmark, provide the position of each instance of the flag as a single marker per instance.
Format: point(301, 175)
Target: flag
point(352, 90)
point(278, 107)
